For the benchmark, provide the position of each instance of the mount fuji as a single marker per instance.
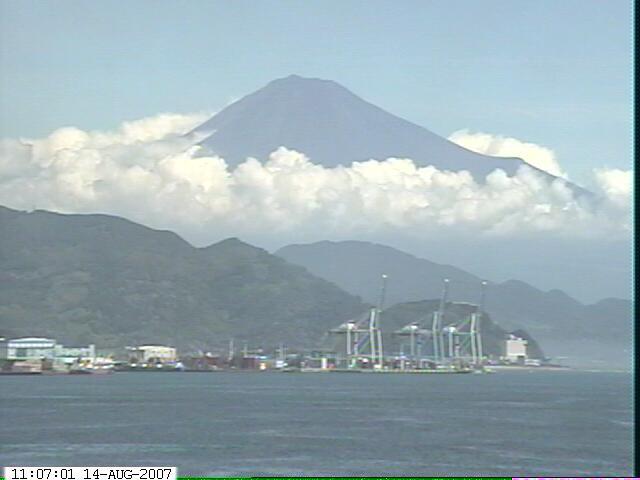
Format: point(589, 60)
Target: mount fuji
point(332, 126)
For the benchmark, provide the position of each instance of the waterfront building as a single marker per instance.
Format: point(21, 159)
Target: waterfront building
point(152, 354)
point(67, 356)
point(28, 348)
point(204, 362)
point(515, 350)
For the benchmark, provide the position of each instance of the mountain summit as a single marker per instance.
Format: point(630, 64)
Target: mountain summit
point(332, 126)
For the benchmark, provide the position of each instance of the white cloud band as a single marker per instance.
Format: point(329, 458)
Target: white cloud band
point(499, 146)
point(149, 172)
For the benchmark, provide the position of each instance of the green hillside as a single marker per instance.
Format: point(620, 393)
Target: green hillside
point(105, 280)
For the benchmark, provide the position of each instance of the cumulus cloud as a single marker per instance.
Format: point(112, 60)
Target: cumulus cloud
point(614, 183)
point(616, 186)
point(499, 146)
point(150, 172)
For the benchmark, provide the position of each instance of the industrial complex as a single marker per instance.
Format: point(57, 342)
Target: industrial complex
point(431, 346)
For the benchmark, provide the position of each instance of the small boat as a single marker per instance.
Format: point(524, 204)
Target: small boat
point(90, 371)
point(80, 371)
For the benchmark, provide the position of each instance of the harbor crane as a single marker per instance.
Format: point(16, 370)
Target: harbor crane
point(364, 336)
point(414, 331)
point(463, 339)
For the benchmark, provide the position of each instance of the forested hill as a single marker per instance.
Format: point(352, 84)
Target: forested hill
point(105, 280)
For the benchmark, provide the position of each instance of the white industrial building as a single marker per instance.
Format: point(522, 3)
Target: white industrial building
point(515, 350)
point(74, 354)
point(29, 353)
point(152, 353)
point(29, 348)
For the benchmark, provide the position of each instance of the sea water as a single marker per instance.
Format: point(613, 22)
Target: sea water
point(524, 423)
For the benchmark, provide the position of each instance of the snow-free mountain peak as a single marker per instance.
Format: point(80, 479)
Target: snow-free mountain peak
point(332, 126)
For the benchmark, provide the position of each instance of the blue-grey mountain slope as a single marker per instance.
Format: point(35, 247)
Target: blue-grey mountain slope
point(333, 127)
point(105, 280)
point(595, 335)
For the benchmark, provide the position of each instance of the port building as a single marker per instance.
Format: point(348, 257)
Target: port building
point(28, 348)
point(39, 353)
point(515, 350)
point(66, 356)
point(152, 354)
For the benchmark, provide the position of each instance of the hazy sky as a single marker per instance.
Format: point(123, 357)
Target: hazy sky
point(555, 73)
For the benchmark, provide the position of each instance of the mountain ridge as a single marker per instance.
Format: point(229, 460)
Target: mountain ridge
point(553, 317)
point(105, 280)
point(333, 126)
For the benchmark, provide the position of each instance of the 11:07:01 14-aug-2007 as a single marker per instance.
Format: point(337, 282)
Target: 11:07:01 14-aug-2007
point(90, 473)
